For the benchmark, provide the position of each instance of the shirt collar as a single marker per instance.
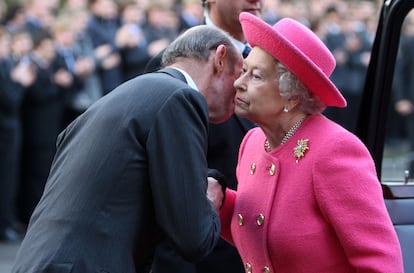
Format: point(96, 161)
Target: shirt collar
point(188, 78)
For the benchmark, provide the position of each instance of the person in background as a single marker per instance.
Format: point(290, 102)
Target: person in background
point(123, 179)
point(74, 66)
point(192, 13)
point(14, 19)
point(131, 40)
point(3, 10)
point(308, 198)
point(42, 118)
point(75, 4)
point(16, 75)
point(39, 15)
point(160, 27)
point(223, 144)
point(403, 95)
point(348, 40)
point(103, 26)
point(88, 89)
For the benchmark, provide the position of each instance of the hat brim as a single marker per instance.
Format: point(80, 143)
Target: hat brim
point(259, 33)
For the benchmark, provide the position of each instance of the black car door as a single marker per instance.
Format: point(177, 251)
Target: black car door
point(384, 125)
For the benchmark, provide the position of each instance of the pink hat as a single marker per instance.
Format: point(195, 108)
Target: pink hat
point(300, 50)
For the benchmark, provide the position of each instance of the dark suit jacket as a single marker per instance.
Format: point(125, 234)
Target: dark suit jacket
point(223, 145)
point(128, 172)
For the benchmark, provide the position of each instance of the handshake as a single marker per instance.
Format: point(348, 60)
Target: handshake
point(216, 190)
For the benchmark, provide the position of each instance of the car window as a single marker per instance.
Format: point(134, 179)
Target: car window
point(398, 157)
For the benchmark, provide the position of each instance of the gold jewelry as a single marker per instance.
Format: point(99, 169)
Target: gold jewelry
point(288, 135)
point(267, 146)
point(300, 149)
point(292, 130)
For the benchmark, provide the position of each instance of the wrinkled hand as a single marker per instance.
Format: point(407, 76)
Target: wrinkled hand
point(215, 193)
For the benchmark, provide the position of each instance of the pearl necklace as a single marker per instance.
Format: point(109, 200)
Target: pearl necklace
point(288, 135)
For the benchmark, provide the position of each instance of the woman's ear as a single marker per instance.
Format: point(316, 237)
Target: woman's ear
point(293, 102)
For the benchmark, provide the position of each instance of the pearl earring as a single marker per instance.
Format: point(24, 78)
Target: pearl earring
point(286, 109)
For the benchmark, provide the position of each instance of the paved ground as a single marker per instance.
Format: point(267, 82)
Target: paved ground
point(7, 254)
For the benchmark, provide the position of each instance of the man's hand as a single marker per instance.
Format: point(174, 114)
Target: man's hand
point(215, 192)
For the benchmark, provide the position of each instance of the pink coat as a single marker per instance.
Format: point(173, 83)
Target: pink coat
point(324, 213)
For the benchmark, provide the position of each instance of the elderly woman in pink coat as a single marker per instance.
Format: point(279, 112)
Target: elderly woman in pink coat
point(308, 197)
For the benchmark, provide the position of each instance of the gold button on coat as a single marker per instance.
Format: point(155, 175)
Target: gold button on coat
point(272, 169)
point(240, 219)
point(252, 168)
point(248, 268)
point(260, 219)
point(266, 269)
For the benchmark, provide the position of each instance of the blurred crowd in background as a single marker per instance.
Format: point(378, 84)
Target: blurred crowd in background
point(57, 58)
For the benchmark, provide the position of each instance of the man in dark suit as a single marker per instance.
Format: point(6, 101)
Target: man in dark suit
point(132, 170)
point(223, 145)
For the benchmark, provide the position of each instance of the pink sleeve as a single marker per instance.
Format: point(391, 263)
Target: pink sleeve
point(350, 197)
point(226, 214)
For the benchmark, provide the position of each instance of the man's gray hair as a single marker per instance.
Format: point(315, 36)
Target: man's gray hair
point(198, 43)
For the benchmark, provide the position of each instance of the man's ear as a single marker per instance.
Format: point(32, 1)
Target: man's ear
point(220, 58)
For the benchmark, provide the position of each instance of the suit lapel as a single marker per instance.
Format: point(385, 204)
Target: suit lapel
point(173, 73)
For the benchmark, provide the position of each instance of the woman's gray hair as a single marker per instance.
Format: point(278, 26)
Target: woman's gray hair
point(291, 87)
point(197, 43)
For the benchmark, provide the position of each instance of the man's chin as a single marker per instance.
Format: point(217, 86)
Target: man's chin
point(221, 119)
